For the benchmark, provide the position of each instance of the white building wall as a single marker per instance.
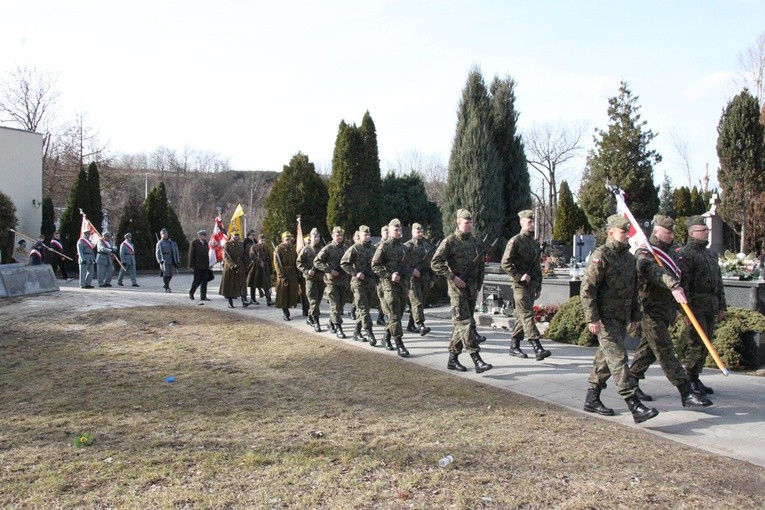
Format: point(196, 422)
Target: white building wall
point(21, 176)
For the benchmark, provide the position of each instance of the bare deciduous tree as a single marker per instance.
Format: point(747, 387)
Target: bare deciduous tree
point(751, 67)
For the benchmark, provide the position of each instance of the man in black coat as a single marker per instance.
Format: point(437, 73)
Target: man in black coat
point(199, 261)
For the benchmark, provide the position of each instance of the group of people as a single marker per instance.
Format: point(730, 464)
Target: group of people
point(620, 289)
point(97, 259)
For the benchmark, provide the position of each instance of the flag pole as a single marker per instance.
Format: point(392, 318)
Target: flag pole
point(95, 231)
point(45, 245)
point(687, 309)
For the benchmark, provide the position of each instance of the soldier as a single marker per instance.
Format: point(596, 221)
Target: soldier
point(56, 260)
point(452, 257)
point(357, 262)
point(87, 259)
point(328, 260)
point(105, 249)
point(232, 280)
point(521, 261)
point(285, 259)
point(261, 258)
point(609, 300)
point(390, 263)
point(702, 282)
point(382, 311)
point(127, 257)
point(199, 261)
point(168, 258)
point(314, 279)
point(659, 292)
point(419, 283)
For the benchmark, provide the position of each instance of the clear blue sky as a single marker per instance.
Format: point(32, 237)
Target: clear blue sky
point(258, 81)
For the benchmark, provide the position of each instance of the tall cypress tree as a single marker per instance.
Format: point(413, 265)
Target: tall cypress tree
point(621, 156)
point(133, 220)
point(175, 231)
point(95, 212)
point(372, 206)
point(8, 220)
point(407, 200)
point(347, 187)
point(516, 187)
point(475, 167)
point(48, 225)
point(569, 218)
point(155, 207)
point(71, 220)
point(667, 198)
point(298, 190)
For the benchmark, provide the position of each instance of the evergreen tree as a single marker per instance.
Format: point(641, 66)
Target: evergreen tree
point(406, 199)
point(666, 198)
point(516, 187)
point(48, 225)
point(621, 156)
point(95, 213)
point(155, 208)
point(474, 180)
point(698, 203)
point(8, 221)
point(71, 220)
point(133, 220)
point(569, 218)
point(347, 186)
point(682, 202)
point(742, 162)
point(299, 190)
point(175, 231)
point(373, 203)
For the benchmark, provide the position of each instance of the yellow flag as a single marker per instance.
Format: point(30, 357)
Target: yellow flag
point(236, 221)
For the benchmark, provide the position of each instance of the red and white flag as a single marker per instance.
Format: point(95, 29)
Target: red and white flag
point(87, 225)
point(217, 242)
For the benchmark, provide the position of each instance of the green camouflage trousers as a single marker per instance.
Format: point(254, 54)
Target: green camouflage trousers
point(363, 297)
point(417, 291)
point(336, 297)
point(463, 303)
point(696, 352)
point(395, 301)
point(657, 344)
point(611, 359)
point(525, 327)
point(314, 290)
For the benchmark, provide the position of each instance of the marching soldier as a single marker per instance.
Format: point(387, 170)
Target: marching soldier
point(328, 261)
point(285, 259)
point(233, 279)
point(659, 292)
point(56, 260)
point(357, 262)
point(261, 259)
point(168, 258)
point(702, 281)
point(105, 249)
point(419, 283)
point(87, 260)
point(314, 279)
point(609, 300)
point(382, 311)
point(127, 257)
point(452, 257)
point(521, 261)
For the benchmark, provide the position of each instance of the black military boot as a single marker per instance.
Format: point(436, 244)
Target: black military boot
point(540, 351)
point(592, 403)
point(386, 342)
point(381, 319)
point(643, 396)
point(309, 320)
point(479, 339)
point(480, 365)
point(707, 389)
point(358, 335)
point(339, 331)
point(371, 337)
point(231, 303)
point(516, 351)
point(691, 399)
point(410, 327)
point(353, 313)
point(331, 326)
point(640, 413)
point(698, 387)
point(424, 330)
point(454, 363)
point(316, 324)
point(245, 303)
point(400, 348)
point(286, 312)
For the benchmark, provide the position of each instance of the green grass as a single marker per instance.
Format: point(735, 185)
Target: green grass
point(261, 416)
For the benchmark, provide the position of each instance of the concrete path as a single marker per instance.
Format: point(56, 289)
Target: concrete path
point(733, 427)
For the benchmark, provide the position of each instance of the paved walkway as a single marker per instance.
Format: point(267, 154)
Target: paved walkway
point(733, 427)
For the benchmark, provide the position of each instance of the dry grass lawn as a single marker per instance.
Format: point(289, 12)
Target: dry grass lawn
point(260, 416)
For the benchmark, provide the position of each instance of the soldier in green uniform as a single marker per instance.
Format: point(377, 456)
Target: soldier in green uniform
point(314, 279)
point(702, 281)
point(233, 278)
point(521, 261)
point(419, 282)
point(328, 261)
point(452, 257)
point(659, 292)
point(609, 300)
point(382, 311)
point(357, 262)
point(391, 265)
point(287, 288)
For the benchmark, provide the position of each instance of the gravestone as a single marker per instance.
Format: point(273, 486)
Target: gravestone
point(20, 280)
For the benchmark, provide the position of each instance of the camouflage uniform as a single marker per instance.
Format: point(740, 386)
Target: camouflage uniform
point(358, 259)
point(314, 279)
point(418, 287)
point(383, 308)
point(326, 260)
point(386, 261)
point(702, 281)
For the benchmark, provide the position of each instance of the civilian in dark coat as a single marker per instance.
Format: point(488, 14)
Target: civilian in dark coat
point(199, 261)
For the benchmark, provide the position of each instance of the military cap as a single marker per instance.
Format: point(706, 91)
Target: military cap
point(86, 231)
point(286, 234)
point(464, 214)
point(617, 221)
point(416, 226)
point(234, 233)
point(21, 241)
point(664, 221)
point(314, 231)
point(128, 235)
point(108, 234)
point(395, 222)
point(202, 232)
point(337, 230)
point(163, 231)
point(384, 229)
point(694, 221)
point(365, 229)
point(262, 236)
point(526, 213)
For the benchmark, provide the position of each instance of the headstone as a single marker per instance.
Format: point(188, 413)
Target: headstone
point(20, 280)
point(715, 224)
point(583, 246)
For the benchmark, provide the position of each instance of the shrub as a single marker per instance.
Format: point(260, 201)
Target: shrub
point(568, 325)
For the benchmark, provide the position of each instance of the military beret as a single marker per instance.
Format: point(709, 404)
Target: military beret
point(526, 213)
point(338, 230)
point(365, 229)
point(395, 222)
point(314, 231)
point(664, 221)
point(695, 221)
point(416, 226)
point(202, 233)
point(384, 229)
point(286, 234)
point(464, 214)
point(617, 221)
